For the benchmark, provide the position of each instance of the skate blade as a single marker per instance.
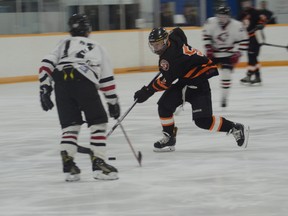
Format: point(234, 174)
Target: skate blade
point(165, 149)
point(99, 175)
point(246, 134)
point(256, 84)
point(72, 178)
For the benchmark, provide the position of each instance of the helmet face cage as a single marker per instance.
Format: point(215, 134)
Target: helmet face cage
point(79, 25)
point(158, 40)
point(223, 15)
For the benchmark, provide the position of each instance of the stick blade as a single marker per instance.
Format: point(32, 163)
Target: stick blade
point(139, 158)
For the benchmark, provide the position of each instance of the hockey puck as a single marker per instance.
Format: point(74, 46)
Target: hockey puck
point(112, 158)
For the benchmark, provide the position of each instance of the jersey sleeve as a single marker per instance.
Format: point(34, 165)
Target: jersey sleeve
point(48, 65)
point(206, 35)
point(242, 41)
point(107, 82)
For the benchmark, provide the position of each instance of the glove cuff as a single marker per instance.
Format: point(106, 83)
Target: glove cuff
point(112, 101)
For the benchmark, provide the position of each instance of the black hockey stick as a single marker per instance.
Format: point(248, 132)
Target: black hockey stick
point(275, 45)
point(128, 111)
point(137, 156)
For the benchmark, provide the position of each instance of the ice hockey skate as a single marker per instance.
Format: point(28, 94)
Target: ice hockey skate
point(256, 81)
point(246, 80)
point(102, 170)
point(167, 143)
point(241, 134)
point(72, 172)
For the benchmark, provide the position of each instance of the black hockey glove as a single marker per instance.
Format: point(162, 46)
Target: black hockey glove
point(260, 26)
point(114, 110)
point(143, 94)
point(45, 94)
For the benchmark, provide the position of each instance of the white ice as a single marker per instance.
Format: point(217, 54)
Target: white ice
point(207, 175)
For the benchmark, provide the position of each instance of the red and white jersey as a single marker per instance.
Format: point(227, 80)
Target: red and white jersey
point(225, 40)
point(87, 56)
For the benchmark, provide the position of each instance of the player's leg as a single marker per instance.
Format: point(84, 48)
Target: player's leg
point(255, 62)
point(253, 68)
point(225, 80)
point(96, 118)
point(70, 120)
point(167, 105)
point(200, 100)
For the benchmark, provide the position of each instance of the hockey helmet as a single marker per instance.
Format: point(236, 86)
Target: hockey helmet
point(79, 25)
point(158, 40)
point(223, 15)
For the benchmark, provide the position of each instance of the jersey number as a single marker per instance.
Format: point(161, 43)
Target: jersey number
point(191, 51)
point(81, 53)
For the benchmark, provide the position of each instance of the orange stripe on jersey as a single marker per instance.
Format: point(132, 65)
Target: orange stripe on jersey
point(203, 71)
point(158, 85)
point(161, 84)
point(190, 73)
point(155, 88)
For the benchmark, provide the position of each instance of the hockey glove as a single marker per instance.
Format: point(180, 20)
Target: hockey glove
point(143, 94)
point(45, 94)
point(260, 26)
point(234, 59)
point(114, 110)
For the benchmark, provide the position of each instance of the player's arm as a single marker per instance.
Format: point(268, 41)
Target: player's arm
point(107, 84)
point(46, 69)
point(207, 39)
point(242, 39)
point(241, 44)
point(160, 84)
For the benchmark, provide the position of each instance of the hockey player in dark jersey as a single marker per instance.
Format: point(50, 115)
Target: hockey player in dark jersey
point(185, 72)
point(254, 22)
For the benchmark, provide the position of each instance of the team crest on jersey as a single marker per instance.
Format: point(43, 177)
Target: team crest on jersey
point(164, 65)
point(223, 36)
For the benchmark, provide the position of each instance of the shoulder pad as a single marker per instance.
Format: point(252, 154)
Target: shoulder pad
point(178, 32)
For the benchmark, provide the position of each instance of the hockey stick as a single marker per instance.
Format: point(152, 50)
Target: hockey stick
point(275, 45)
point(137, 156)
point(128, 111)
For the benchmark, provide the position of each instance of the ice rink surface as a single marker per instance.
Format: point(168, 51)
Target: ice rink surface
point(207, 175)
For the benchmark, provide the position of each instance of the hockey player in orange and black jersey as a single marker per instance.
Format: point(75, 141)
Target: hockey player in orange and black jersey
point(254, 22)
point(185, 72)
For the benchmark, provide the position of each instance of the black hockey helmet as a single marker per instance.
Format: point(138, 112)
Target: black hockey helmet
point(224, 10)
point(223, 15)
point(79, 25)
point(158, 40)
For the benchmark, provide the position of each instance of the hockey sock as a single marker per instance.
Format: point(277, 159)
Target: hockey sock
point(98, 140)
point(69, 139)
point(214, 123)
point(167, 124)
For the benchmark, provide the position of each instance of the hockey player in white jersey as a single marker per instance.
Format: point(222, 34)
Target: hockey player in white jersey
point(224, 39)
point(76, 69)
